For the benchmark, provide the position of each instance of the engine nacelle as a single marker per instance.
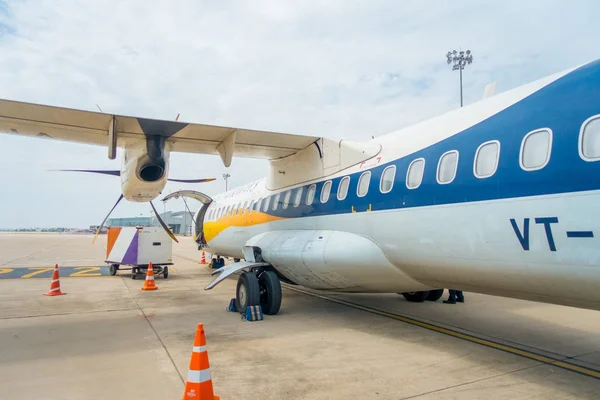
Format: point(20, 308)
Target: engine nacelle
point(144, 170)
point(330, 260)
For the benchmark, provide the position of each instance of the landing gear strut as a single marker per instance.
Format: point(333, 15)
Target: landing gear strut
point(260, 287)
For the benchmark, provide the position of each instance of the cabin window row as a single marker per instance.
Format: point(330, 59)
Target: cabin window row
point(535, 151)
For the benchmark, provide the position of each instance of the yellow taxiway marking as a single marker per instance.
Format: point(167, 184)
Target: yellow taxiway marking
point(64, 272)
point(509, 349)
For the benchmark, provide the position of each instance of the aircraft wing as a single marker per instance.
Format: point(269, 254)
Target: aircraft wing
point(114, 131)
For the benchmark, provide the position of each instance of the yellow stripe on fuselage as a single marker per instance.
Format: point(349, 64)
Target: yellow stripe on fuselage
point(213, 228)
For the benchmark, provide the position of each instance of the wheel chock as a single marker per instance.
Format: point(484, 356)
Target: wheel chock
point(253, 313)
point(232, 306)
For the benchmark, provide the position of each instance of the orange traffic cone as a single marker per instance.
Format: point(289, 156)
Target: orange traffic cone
point(149, 283)
point(203, 261)
point(198, 385)
point(55, 284)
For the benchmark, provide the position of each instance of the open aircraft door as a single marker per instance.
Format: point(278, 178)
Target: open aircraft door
point(198, 219)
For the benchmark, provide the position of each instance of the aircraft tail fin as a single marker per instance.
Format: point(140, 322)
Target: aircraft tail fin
point(490, 90)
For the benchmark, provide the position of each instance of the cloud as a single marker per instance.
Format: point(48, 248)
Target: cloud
point(345, 69)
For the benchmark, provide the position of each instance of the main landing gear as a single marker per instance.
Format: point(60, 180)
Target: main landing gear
point(419, 297)
point(258, 287)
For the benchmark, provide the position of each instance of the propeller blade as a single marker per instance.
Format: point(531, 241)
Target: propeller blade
point(192, 180)
point(162, 223)
point(94, 171)
point(111, 210)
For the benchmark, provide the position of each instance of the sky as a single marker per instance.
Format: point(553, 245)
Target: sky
point(337, 69)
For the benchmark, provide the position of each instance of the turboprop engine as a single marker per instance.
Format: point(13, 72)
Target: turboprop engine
point(144, 174)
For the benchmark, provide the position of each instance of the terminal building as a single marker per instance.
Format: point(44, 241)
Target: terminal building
point(181, 222)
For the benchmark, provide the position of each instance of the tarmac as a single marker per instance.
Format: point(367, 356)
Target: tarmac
point(106, 338)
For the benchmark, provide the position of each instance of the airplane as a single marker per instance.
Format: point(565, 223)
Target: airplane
point(498, 197)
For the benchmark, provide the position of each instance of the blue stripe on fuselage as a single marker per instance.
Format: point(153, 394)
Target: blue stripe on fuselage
point(561, 106)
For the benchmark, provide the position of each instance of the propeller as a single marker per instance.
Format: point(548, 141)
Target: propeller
point(160, 220)
point(162, 223)
point(201, 180)
point(102, 224)
point(114, 172)
point(118, 173)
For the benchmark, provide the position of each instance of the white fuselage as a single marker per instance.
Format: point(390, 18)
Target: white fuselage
point(522, 231)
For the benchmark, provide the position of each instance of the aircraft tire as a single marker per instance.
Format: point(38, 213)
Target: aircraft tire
point(435, 295)
point(270, 292)
point(416, 297)
point(247, 292)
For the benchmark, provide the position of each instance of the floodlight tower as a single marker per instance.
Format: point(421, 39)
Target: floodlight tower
point(226, 176)
point(460, 60)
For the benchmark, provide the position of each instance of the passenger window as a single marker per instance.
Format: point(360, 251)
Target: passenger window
point(325, 192)
point(486, 159)
point(298, 197)
point(276, 201)
point(286, 198)
point(266, 204)
point(447, 167)
point(414, 175)
point(535, 149)
point(343, 188)
point(589, 141)
point(227, 211)
point(363, 184)
point(310, 194)
point(257, 205)
point(387, 179)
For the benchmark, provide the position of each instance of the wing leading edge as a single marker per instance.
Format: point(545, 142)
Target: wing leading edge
point(97, 128)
